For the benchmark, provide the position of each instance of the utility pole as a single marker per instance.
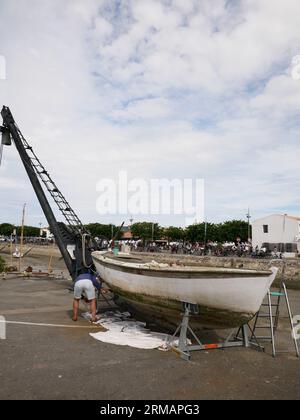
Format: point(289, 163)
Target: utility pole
point(11, 249)
point(130, 227)
point(248, 217)
point(205, 236)
point(22, 236)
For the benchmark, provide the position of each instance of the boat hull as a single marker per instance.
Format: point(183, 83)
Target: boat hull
point(224, 298)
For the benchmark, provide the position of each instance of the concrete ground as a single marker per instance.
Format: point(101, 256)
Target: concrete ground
point(40, 362)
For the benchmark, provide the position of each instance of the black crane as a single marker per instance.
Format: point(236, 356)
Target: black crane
point(73, 239)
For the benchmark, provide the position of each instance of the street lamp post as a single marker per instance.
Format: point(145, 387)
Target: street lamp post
point(248, 217)
point(205, 236)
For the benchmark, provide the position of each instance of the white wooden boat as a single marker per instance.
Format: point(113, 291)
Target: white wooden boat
point(17, 254)
point(225, 298)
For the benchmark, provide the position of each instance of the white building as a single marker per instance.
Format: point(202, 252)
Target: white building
point(279, 231)
point(45, 232)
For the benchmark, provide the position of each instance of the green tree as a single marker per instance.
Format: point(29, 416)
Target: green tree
point(196, 232)
point(227, 231)
point(29, 231)
point(231, 230)
point(146, 231)
point(213, 232)
point(98, 229)
point(6, 229)
point(173, 233)
point(106, 231)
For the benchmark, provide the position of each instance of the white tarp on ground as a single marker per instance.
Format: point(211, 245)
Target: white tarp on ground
point(122, 330)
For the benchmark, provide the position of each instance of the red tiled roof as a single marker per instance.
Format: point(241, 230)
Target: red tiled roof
point(127, 235)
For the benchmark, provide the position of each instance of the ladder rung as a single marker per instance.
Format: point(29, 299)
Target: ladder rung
point(272, 327)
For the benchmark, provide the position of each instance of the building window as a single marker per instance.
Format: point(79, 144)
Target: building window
point(266, 228)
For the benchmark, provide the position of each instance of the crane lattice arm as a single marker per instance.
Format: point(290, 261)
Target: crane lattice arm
point(72, 238)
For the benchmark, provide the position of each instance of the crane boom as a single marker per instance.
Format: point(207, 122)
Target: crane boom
point(73, 239)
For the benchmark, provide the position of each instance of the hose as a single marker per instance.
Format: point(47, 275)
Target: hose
point(84, 235)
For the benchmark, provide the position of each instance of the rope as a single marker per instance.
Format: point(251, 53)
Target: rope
point(46, 325)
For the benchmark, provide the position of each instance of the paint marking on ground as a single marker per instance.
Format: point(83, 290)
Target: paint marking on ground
point(50, 325)
point(24, 311)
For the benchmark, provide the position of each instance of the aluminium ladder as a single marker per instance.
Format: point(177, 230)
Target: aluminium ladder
point(273, 315)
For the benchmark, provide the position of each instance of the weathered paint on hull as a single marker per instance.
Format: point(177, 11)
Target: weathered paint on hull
point(168, 313)
point(225, 298)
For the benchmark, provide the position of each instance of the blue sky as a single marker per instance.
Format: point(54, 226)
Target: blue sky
point(174, 89)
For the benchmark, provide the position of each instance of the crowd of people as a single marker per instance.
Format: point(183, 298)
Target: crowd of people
point(31, 240)
point(226, 249)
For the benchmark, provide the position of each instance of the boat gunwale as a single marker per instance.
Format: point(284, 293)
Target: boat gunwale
point(143, 269)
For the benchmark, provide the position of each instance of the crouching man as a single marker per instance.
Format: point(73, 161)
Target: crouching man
point(84, 287)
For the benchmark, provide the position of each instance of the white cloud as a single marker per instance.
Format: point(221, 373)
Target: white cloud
point(152, 108)
point(214, 49)
point(280, 98)
point(177, 88)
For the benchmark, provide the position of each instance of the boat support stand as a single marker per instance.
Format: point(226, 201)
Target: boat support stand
point(185, 347)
